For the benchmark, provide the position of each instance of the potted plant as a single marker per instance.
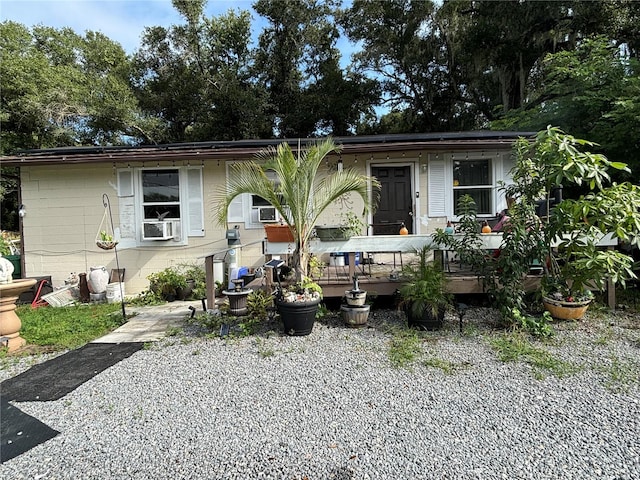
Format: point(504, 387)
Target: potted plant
point(167, 283)
point(298, 305)
point(350, 225)
point(564, 239)
point(423, 293)
point(299, 194)
point(105, 240)
point(195, 282)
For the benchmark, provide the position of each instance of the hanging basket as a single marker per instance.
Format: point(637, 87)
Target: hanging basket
point(105, 245)
point(105, 238)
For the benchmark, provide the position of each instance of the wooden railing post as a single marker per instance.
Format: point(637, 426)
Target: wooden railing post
point(210, 284)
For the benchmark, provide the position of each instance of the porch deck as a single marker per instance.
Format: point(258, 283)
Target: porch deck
point(379, 276)
point(380, 279)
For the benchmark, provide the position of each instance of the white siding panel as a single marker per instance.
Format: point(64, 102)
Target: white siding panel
point(507, 165)
point(125, 183)
point(235, 212)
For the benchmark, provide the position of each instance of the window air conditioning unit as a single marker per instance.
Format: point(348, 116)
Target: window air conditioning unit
point(268, 214)
point(154, 230)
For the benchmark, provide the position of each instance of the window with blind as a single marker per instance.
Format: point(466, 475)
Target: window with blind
point(473, 177)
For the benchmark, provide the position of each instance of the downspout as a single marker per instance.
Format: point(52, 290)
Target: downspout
point(20, 225)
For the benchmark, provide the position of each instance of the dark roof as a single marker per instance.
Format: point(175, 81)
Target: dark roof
point(370, 144)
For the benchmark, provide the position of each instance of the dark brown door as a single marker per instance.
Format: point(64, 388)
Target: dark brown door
point(396, 201)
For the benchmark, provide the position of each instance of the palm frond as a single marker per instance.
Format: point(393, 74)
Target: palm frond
point(299, 194)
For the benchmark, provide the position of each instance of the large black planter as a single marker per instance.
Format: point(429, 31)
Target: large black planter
point(298, 317)
point(426, 321)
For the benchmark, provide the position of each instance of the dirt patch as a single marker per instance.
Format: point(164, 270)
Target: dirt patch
point(27, 350)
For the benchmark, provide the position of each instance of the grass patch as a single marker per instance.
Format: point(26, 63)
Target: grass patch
point(604, 337)
point(515, 347)
point(621, 374)
point(173, 331)
point(445, 365)
point(404, 348)
point(69, 327)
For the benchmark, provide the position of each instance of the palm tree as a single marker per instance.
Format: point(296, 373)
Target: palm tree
point(298, 193)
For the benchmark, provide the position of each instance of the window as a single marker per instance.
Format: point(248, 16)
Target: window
point(246, 208)
point(161, 204)
point(161, 194)
point(452, 175)
point(473, 177)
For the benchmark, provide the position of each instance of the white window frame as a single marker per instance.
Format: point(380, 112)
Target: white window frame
point(242, 209)
point(440, 173)
point(490, 186)
point(191, 192)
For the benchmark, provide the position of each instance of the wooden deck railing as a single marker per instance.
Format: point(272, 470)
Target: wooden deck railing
point(384, 285)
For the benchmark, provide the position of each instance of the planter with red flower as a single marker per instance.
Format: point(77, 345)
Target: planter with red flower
point(567, 307)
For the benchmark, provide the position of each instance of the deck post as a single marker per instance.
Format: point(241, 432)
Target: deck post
point(210, 284)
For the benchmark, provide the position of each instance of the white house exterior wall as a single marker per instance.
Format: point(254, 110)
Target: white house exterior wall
point(64, 213)
point(65, 210)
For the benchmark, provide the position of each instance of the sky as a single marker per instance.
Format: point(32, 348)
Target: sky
point(121, 20)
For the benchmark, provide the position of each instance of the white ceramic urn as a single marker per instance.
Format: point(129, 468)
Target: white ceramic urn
point(98, 279)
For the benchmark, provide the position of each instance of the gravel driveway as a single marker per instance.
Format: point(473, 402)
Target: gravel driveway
point(333, 405)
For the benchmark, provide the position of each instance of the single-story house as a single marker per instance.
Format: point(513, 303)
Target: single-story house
point(161, 197)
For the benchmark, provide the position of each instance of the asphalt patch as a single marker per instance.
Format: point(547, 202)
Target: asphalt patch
point(55, 378)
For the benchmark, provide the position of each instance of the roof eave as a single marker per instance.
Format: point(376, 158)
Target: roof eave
point(245, 149)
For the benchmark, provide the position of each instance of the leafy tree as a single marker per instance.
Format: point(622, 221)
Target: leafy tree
point(9, 181)
point(593, 90)
point(284, 51)
point(462, 63)
point(402, 48)
point(298, 62)
point(197, 78)
point(342, 98)
point(61, 89)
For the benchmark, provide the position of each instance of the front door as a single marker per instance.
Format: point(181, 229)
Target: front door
point(396, 201)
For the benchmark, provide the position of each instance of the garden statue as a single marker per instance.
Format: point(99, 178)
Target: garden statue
point(6, 271)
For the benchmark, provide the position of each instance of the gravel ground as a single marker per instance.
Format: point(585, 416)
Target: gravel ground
point(333, 406)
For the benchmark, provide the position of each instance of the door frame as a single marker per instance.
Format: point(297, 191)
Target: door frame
point(413, 172)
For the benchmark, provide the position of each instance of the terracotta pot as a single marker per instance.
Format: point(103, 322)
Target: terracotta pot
point(279, 233)
point(563, 310)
